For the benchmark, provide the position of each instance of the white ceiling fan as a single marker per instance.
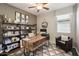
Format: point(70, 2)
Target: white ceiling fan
point(39, 6)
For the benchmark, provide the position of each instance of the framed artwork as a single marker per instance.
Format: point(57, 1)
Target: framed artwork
point(27, 19)
point(22, 17)
point(18, 18)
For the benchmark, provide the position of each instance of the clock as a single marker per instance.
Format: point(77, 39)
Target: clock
point(44, 24)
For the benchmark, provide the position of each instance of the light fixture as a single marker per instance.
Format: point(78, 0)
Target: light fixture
point(40, 6)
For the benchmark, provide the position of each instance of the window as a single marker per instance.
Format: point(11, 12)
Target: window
point(63, 23)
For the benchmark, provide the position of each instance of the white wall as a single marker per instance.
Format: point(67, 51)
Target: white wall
point(77, 23)
point(51, 19)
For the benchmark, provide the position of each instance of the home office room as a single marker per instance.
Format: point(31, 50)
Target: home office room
point(39, 29)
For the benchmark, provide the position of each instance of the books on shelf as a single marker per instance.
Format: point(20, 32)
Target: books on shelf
point(12, 46)
point(7, 40)
point(1, 50)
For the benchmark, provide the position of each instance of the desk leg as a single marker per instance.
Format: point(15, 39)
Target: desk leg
point(26, 53)
point(42, 50)
point(34, 53)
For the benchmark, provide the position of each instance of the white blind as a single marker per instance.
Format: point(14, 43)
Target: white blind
point(63, 23)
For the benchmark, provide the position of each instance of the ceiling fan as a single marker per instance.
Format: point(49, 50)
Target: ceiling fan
point(39, 6)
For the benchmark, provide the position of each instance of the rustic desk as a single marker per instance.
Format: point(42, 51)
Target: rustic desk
point(34, 43)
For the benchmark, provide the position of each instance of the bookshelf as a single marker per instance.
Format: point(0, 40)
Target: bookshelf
point(13, 32)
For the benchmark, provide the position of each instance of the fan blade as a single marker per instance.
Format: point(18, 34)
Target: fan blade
point(32, 7)
point(45, 3)
point(46, 8)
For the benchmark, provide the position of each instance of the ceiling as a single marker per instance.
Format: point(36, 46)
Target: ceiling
point(52, 6)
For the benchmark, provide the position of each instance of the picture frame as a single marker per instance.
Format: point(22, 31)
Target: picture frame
point(17, 17)
point(27, 18)
point(22, 18)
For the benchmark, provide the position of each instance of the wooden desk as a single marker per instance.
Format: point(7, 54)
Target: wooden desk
point(34, 42)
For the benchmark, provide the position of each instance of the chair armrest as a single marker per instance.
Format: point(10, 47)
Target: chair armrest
point(58, 38)
point(68, 42)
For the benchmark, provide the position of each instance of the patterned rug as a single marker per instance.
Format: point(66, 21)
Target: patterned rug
point(52, 50)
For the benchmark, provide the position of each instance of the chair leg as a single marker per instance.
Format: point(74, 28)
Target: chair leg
point(26, 53)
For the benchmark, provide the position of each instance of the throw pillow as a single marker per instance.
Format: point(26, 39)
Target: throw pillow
point(64, 38)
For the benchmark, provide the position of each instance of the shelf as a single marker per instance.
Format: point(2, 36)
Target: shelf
point(31, 25)
point(17, 29)
point(11, 23)
point(33, 29)
point(23, 33)
point(13, 36)
point(23, 30)
point(14, 24)
point(23, 24)
point(12, 43)
point(12, 51)
point(11, 30)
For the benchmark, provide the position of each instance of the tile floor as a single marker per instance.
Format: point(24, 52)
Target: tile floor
point(52, 50)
